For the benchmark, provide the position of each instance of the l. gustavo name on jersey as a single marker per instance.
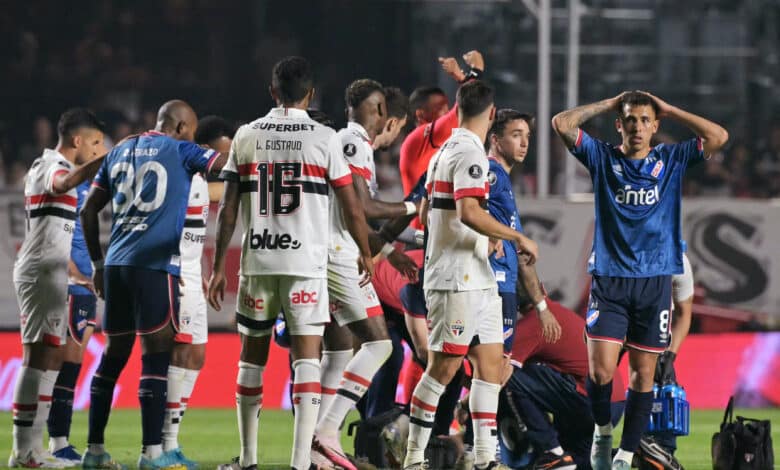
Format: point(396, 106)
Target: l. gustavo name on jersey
point(268, 241)
point(636, 197)
point(132, 224)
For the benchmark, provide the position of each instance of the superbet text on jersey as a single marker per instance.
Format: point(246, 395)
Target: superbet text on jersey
point(285, 164)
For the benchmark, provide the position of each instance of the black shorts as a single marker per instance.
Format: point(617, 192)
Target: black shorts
point(81, 314)
point(631, 311)
point(139, 300)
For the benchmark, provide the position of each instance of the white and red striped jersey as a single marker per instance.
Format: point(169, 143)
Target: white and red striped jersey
point(50, 221)
point(285, 164)
point(357, 151)
point(193, 237)
point(456, 257)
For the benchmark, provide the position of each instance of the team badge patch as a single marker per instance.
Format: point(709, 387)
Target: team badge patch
point(457, 328)
point(592, 318)
point(475, 171)
point(350, 150)
point(659, 166)
point(492, 178)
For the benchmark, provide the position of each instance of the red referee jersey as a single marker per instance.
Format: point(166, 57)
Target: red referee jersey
point(388, 282)
point(420, 145)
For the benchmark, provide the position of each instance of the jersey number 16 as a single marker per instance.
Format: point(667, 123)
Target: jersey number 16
point(282, 187)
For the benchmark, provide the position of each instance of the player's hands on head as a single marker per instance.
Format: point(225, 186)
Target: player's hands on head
point(404, 265)
point(216, 292)
point(664, 108)
point(474, 60)
point(97, 282)
point(366, 269)
point(551, 329)
point(528, 247)
point(451, 68)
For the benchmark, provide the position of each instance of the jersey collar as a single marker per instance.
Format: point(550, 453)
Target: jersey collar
point(289, 112)
point(462, 131)
point(359, 129)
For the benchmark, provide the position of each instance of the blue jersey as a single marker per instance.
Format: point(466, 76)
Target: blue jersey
point(502, 206)
point(148, 178)
point(78, 248)
point(638, 230)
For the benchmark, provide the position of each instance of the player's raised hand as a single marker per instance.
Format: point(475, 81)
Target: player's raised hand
point(404, 265)
point(216, 294)
point(366, 269)
point(527, 246)
point(664, 108)
point(97, 282)
point(474, 60)
point(551, 329)
point(452, 68)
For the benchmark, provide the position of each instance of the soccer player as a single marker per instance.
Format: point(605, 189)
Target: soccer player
point(147, 180)
point(189, 350)
point(41, 276)
point(636, 250)
point(281, 169)
point(345, 378)
point(460, 288)
point(397, 106)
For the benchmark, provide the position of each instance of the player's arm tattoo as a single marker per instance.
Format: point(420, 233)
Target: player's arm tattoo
point(226, 222)
point(530, 279)
point(567, 123)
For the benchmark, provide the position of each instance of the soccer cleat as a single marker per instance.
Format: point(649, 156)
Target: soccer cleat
point(395, 435)
point(190, 464)
point(68, 454)
point(621, 465)
point(166, 461)
point(320, 462)
point(652, 456)
point(550, 461)
point(235, 465)
point(330, 447)
point(418, 466)
point(100, 462)
point(36, 458)
point(494, 466)
point(601, 452)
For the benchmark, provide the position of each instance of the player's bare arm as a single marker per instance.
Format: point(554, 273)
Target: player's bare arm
point(376, 209)
point(64, 182)
point(567, 123)
point(424, 207)
point(226, 225)
point(391, 229)
point(90, 225)
point(218, 163)
point(713, 136)
point(355, 219)
point(551, 329)
point(474, 216)
point(397, 259)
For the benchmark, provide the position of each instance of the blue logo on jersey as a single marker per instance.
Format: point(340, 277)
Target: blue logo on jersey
point(636, 197)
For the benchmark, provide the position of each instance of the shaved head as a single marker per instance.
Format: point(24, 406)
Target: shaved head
point(177, 119)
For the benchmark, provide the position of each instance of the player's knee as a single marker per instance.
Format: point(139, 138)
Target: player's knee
point(601, 375)
point(381, 350)
point(641, 377)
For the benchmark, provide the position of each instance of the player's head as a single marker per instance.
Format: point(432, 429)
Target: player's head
point(366, 105)
point(321, 117)
point(292, 82)
point(177, 119)
point(475, 103)
point(397, 114)
point(509, 135)
point(428, 103)
point(80, 135)
point(216, 133)
point(637, 120)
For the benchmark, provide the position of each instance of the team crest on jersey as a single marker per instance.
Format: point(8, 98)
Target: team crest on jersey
point(659, 166)
point(475, 171)
point(457, 328)
point(350, 150)
point(492, 178)
point(592, 318)
point(618, 169)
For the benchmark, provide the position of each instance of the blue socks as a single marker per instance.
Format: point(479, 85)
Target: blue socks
point(637, 415)
point(600, 401)
point(101, 393)
point(152, 392)
point(62, 400)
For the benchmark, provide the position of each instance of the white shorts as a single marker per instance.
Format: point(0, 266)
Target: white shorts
point(43, 308)
point(348, 301)
point(682, 284)
point(456, 318)
point(193, 319)
point(261, 298)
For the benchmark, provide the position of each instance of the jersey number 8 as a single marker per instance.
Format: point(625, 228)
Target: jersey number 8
point(283, 187)
point(132, 185)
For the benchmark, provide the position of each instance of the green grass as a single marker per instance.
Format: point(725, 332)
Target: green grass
point(210, 436)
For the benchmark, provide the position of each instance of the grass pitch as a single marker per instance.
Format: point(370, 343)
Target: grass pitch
point(210, 436)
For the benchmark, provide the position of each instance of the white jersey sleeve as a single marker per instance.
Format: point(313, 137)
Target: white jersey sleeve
point(193, 236)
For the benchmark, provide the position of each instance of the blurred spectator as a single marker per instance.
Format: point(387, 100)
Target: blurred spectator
point(768, 164)
point(715, 180)
point(740, 168)
point(42, 138)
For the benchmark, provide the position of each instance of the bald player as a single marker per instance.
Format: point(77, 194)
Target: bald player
point(147, 180)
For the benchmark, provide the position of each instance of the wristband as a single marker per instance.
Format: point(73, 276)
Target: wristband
point(474, 74)
point(387, 249)
point(419, 237)
point(541, 306)
point(98, 265)
point(410, 208)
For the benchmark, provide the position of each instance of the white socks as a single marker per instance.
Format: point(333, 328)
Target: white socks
point(423, 411)
point(170, 431)
point(332, 369)
point(306, 403)
point(25, 406)
point(249, 399)
point(483, 403)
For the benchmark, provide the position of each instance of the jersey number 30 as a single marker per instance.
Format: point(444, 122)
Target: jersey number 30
point(133, 183)
point(283, 187)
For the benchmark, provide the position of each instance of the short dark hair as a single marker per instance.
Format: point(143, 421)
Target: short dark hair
point(505, 116)
point(636, 98)
point(292, 79)
point(76, 118)
point(420, 96)
point(397, 102)
point(359, 90)
point(321, 117)
point(211, 128)
point(474, 98)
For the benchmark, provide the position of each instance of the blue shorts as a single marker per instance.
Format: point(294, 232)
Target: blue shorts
point(631, 311)
point(509, 314)
point(81, 314)
point(139, 300)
